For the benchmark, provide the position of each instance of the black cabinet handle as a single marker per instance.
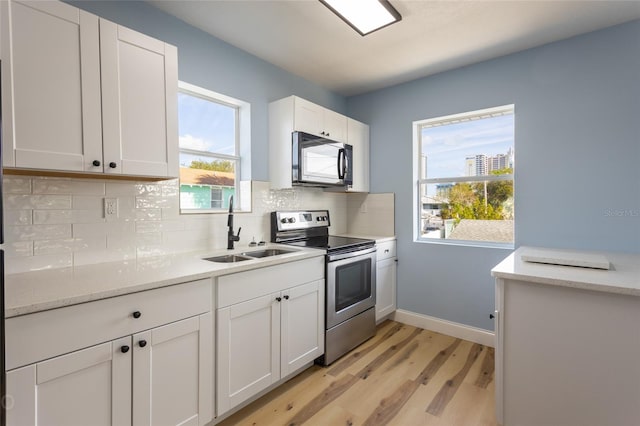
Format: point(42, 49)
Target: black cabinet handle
point(328, 134)
point(137, 314)
point(279, 299)
point(124, 349)
point(113, 165)
point(491, 316)
point(286, 296)
point(96, 163)
point(142, 343)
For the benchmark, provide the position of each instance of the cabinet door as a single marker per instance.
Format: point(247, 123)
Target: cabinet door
point(50, 87)
point(335, 125)
point(358, 137)
point(172, 373)
point(87, 387)
point(248, 349)
point(499, 352)
point(308, 117)
point(139, 103)
point(385, 287)
point(302, 325)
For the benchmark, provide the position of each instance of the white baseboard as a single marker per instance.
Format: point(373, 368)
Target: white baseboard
point(461, 331)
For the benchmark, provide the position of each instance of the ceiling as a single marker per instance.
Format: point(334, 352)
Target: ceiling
point(306, 39)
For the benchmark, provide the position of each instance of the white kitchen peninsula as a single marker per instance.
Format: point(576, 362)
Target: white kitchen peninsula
point(567, 340)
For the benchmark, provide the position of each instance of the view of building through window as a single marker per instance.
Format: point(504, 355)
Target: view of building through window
point(209, 158)
point(466, 164)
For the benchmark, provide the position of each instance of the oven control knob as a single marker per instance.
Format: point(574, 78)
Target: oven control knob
point(291, 220)
point(283, 220)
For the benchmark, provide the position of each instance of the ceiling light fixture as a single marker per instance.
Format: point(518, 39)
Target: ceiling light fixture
point(364, 16)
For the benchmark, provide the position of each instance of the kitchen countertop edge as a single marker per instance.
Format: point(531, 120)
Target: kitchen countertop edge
point(36, 291)
point(379, 239)
point(623, 277)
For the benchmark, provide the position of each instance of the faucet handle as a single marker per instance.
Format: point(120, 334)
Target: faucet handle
point(237, 236)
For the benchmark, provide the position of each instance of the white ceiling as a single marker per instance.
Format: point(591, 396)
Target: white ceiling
point(305, 38)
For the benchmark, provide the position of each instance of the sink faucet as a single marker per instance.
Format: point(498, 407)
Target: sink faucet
point(230, 236)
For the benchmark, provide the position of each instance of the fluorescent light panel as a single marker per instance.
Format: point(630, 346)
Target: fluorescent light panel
point(364, 16)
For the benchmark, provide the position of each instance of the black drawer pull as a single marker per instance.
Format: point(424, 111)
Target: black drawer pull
point(137, 314)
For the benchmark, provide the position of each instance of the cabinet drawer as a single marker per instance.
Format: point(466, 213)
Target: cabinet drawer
point(236, 288)
point(42, 335)
point(386, 250)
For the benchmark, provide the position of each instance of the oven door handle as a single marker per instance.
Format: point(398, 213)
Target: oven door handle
point(340, 256)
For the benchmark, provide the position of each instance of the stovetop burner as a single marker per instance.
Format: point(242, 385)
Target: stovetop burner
point(332, 243)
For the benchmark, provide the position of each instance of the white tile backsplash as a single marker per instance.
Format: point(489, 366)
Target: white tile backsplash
point(67, 245)
point(16, 185)
point(18, 217)
point(25, 201)
point(18, 248)
point(371, 214)
point(36, 263)
point(67, 186)
point(54, 223)
point(37, 232)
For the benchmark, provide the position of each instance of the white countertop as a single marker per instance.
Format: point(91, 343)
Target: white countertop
point(30, 292)
point(378, 238)
point(623, 277)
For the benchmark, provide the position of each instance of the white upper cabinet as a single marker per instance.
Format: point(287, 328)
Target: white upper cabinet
point(317, 120)
point(79, 87)
point(139, 103)
point(358, 137)
point(51, 112)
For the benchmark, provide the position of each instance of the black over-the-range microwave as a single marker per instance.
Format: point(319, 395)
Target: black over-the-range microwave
point(318, 161)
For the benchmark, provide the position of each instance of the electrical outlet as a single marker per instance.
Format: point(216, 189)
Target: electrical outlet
point(110, 208)
point(363, 207)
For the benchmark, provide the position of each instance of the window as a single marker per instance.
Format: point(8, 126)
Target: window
point(212, 128)
point(463, 169)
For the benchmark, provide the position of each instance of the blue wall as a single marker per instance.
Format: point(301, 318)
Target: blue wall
point(577, 145)
point(209, 62)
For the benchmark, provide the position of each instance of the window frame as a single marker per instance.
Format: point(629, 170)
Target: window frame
point(242, 157)
point(419, 179)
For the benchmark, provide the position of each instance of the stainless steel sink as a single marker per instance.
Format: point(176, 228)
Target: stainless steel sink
point(267, 252)
point(228, 258)
point(250, 255)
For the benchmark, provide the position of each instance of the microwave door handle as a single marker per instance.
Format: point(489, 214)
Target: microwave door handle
point(345, 163)
point(341, 155)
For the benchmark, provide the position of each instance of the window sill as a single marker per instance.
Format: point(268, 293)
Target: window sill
point(466, 243)
point(212, 211)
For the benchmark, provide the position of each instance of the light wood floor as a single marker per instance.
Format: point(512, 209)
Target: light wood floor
point(402, 376)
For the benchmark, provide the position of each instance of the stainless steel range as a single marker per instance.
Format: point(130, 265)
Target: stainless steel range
point(350, 277)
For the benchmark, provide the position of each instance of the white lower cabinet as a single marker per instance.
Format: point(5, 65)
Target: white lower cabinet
point(172, 366)
point(88, 387)
point(386, 269)
point(157, 376)
point(302, 326)
point(262, 340)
